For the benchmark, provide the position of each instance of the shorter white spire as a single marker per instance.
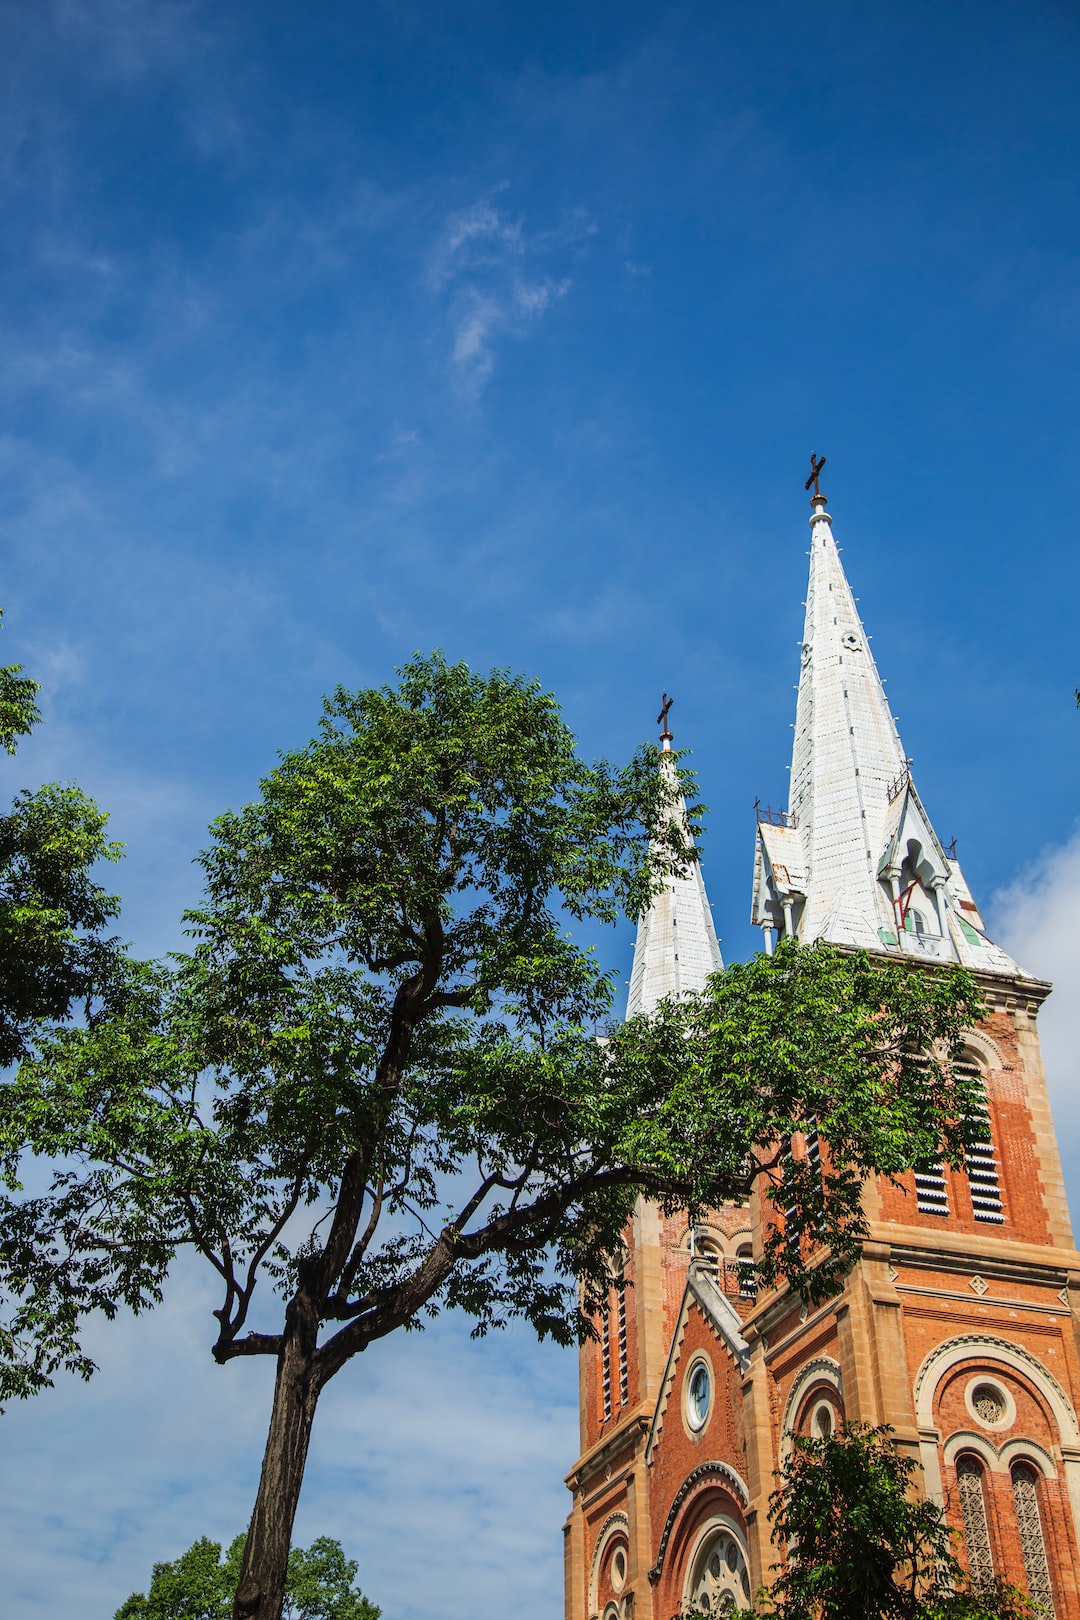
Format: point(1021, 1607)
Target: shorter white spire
point(676, 947)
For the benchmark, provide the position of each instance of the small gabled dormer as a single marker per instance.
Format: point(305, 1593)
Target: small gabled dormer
point(914, 872)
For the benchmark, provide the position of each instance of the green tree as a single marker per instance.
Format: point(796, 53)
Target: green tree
point(53, 954)
point(199, 1585)
point(861, 1545)
point(375, 1083)
point(56, 961)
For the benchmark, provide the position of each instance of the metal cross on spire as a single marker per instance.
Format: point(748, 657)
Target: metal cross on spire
point(662, 718)
point(816, 464)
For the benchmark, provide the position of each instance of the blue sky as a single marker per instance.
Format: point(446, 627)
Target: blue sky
point(330, 332)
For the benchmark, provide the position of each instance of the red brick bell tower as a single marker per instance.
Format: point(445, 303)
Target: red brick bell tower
point(958, 1324)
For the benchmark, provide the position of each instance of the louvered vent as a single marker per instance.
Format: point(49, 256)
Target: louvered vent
point(982, 1165)
point(931, 1193)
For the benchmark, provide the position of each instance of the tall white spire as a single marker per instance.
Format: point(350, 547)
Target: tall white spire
point(676, 947)
point(855, 859)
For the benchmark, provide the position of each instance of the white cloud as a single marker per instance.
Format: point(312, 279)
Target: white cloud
point(473, 237)
point(479, 261)
point(437, 1462)
point(1035, 919)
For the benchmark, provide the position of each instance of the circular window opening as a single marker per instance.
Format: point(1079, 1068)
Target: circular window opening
point(823, 1421)
point(989, 1403)
point(698, 1396)
point(721, 1579)
point(618, 1570)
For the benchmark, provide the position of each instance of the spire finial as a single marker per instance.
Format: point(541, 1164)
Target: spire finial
point(666, 737)
point(816, 464)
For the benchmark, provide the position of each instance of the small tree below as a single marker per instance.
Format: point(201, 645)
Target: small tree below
point(861, 1546)
point(199, 1585)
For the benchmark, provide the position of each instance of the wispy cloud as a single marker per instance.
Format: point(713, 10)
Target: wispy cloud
point(468, 1441)
point(492, 272)
point(1035, 920)
point(128, 37)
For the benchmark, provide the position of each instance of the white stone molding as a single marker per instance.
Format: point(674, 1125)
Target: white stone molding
point(984, 1048)
point(700, 1358)
point(614, 1526)
point(967, 1440)
point(721, 1471)
point(1000, 1459)
point(1029, 1451)
point(979, 1381)
point(821, 1370)
point(1003, 1351)
point(1000, 1353)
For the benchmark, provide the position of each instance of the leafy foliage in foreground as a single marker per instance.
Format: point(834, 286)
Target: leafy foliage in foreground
point(56, 962)
point(53, 955)
point(860, 1546)
point(374, 1082)
point(199, 1585)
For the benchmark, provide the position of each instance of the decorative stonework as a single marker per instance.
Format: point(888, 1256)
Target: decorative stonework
point(719, 1470)
point(979, 1285)
point(969, 1480)
point(615, 1526)
point(985, 1345)
point(720, 1574)
point(1032, 1544)
point(823, 1369)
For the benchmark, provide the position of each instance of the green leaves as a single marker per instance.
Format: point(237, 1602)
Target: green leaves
point(729, 1086)
point(374, 1081)
point(199, 1585)
point(859, 1542)
point(53, 956)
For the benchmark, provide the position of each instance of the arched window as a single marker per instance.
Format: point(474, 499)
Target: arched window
point(720, 1578)
point(744, 1259)
point(1029, 1522)
point(705, 1244)
point(969, 1480)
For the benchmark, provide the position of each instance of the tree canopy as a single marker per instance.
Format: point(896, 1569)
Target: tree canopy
point(374, 1082)
point(54, 955)
point(860, 1544)
point(199, 1585)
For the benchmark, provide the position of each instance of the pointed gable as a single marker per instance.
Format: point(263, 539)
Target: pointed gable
point(705, 1300)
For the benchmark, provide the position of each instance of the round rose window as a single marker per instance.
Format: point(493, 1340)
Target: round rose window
point(721, 1579)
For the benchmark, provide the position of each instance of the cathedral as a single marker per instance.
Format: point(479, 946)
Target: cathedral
point(957, 1324)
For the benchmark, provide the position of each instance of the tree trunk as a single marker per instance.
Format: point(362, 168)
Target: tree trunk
point(261, 1591)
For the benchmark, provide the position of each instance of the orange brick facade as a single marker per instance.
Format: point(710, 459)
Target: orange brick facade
point(957, 1326)
point(957, 1330)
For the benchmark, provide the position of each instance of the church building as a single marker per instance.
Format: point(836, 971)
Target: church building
point(957, 1324)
